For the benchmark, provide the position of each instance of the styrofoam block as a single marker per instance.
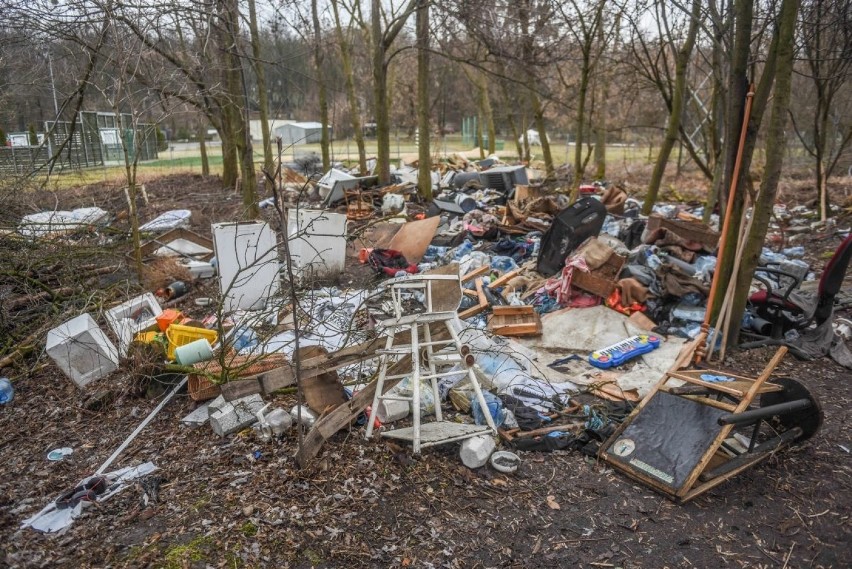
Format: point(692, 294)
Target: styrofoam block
point(197, 417)
point(217, 404)
point(475, 451)
point(129, 318)
point(81, 350)
point(236, 415)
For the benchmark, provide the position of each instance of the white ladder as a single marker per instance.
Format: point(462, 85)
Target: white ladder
point(452, 352)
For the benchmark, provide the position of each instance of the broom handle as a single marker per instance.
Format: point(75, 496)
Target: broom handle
point(705, 327)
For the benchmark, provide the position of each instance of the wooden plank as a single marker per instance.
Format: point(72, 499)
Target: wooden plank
point(704, 400)
point(614, 391)
point(504, 279)
point(512, 310)
point(276, 379)
point(483, 303)
point(698, 372)
point(726, 430)
point(715, 386)
point(549, 429)
point(475, 273)
point(520, 329)
point(238, 388)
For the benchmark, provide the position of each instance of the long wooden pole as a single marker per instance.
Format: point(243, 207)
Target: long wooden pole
point(711, 299)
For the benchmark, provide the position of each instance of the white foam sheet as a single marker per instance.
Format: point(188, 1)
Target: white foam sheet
point(168, 220)
point(58, 222)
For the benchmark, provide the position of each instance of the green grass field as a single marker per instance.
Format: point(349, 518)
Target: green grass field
point(188, 160)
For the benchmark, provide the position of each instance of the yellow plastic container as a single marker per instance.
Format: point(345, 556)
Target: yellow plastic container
point(146, 337)
point(180, 335)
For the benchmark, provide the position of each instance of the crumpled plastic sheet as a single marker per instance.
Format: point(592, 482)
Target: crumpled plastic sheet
point(51, 519)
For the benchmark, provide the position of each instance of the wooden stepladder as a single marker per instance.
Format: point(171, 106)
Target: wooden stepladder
point(441, 292)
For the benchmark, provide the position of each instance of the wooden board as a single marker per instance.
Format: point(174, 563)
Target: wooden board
point(515, 321)
point(482, 305)
point(324, 390)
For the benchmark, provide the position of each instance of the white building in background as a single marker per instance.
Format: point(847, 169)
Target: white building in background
point(295, 132)
point(291, 132)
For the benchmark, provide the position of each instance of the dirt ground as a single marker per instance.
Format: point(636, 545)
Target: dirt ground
point(240, 502)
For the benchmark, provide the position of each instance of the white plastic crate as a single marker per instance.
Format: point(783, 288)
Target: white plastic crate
point(129, 318)
point(82, 350)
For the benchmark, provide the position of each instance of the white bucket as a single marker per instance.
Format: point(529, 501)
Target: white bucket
point(194, 352)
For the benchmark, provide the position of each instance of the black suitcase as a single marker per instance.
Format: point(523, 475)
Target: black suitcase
point(569, 229)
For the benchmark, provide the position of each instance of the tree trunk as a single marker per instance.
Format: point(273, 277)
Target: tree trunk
point(739, 69)
point(323, 95)
point(260, 75)
point(351, 96)
point(487, 113)
point(678, 101)
point(202, 146)
point(579, 127)
point(538, 115)
point(820, 146)
point(775, 147)
point(424, 175)
point(380, 95)
point(230, 165)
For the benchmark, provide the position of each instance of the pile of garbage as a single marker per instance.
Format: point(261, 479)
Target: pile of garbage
point(569, 311)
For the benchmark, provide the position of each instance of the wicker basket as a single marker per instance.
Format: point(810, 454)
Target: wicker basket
point(200, 388)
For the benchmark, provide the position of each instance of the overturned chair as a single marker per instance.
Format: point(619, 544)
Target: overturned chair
point(429, 340)
point(697, 428)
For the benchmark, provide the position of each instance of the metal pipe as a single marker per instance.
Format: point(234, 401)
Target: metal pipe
point(748, 417)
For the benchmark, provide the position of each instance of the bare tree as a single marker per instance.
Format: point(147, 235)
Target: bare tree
point(384, 28)
point(677, 106)
point(826, 43)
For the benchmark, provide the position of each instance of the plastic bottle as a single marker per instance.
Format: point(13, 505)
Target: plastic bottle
point(7, 392)
point(503, 264)
point(495, 408)
point(463, 249)
point(245, 338)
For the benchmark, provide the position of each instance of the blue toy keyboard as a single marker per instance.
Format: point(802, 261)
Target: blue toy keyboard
point(617, 354)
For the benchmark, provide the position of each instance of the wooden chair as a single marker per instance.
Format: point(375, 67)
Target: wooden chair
point(679, 441)
point(441, 290)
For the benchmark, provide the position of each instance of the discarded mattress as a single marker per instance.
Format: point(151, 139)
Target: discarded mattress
point(47, 223)
point(168, 220)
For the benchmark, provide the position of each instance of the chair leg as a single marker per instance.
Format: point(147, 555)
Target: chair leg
point(415, 387)
point(430, 353)
point(473, 381)
point(380, 385)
